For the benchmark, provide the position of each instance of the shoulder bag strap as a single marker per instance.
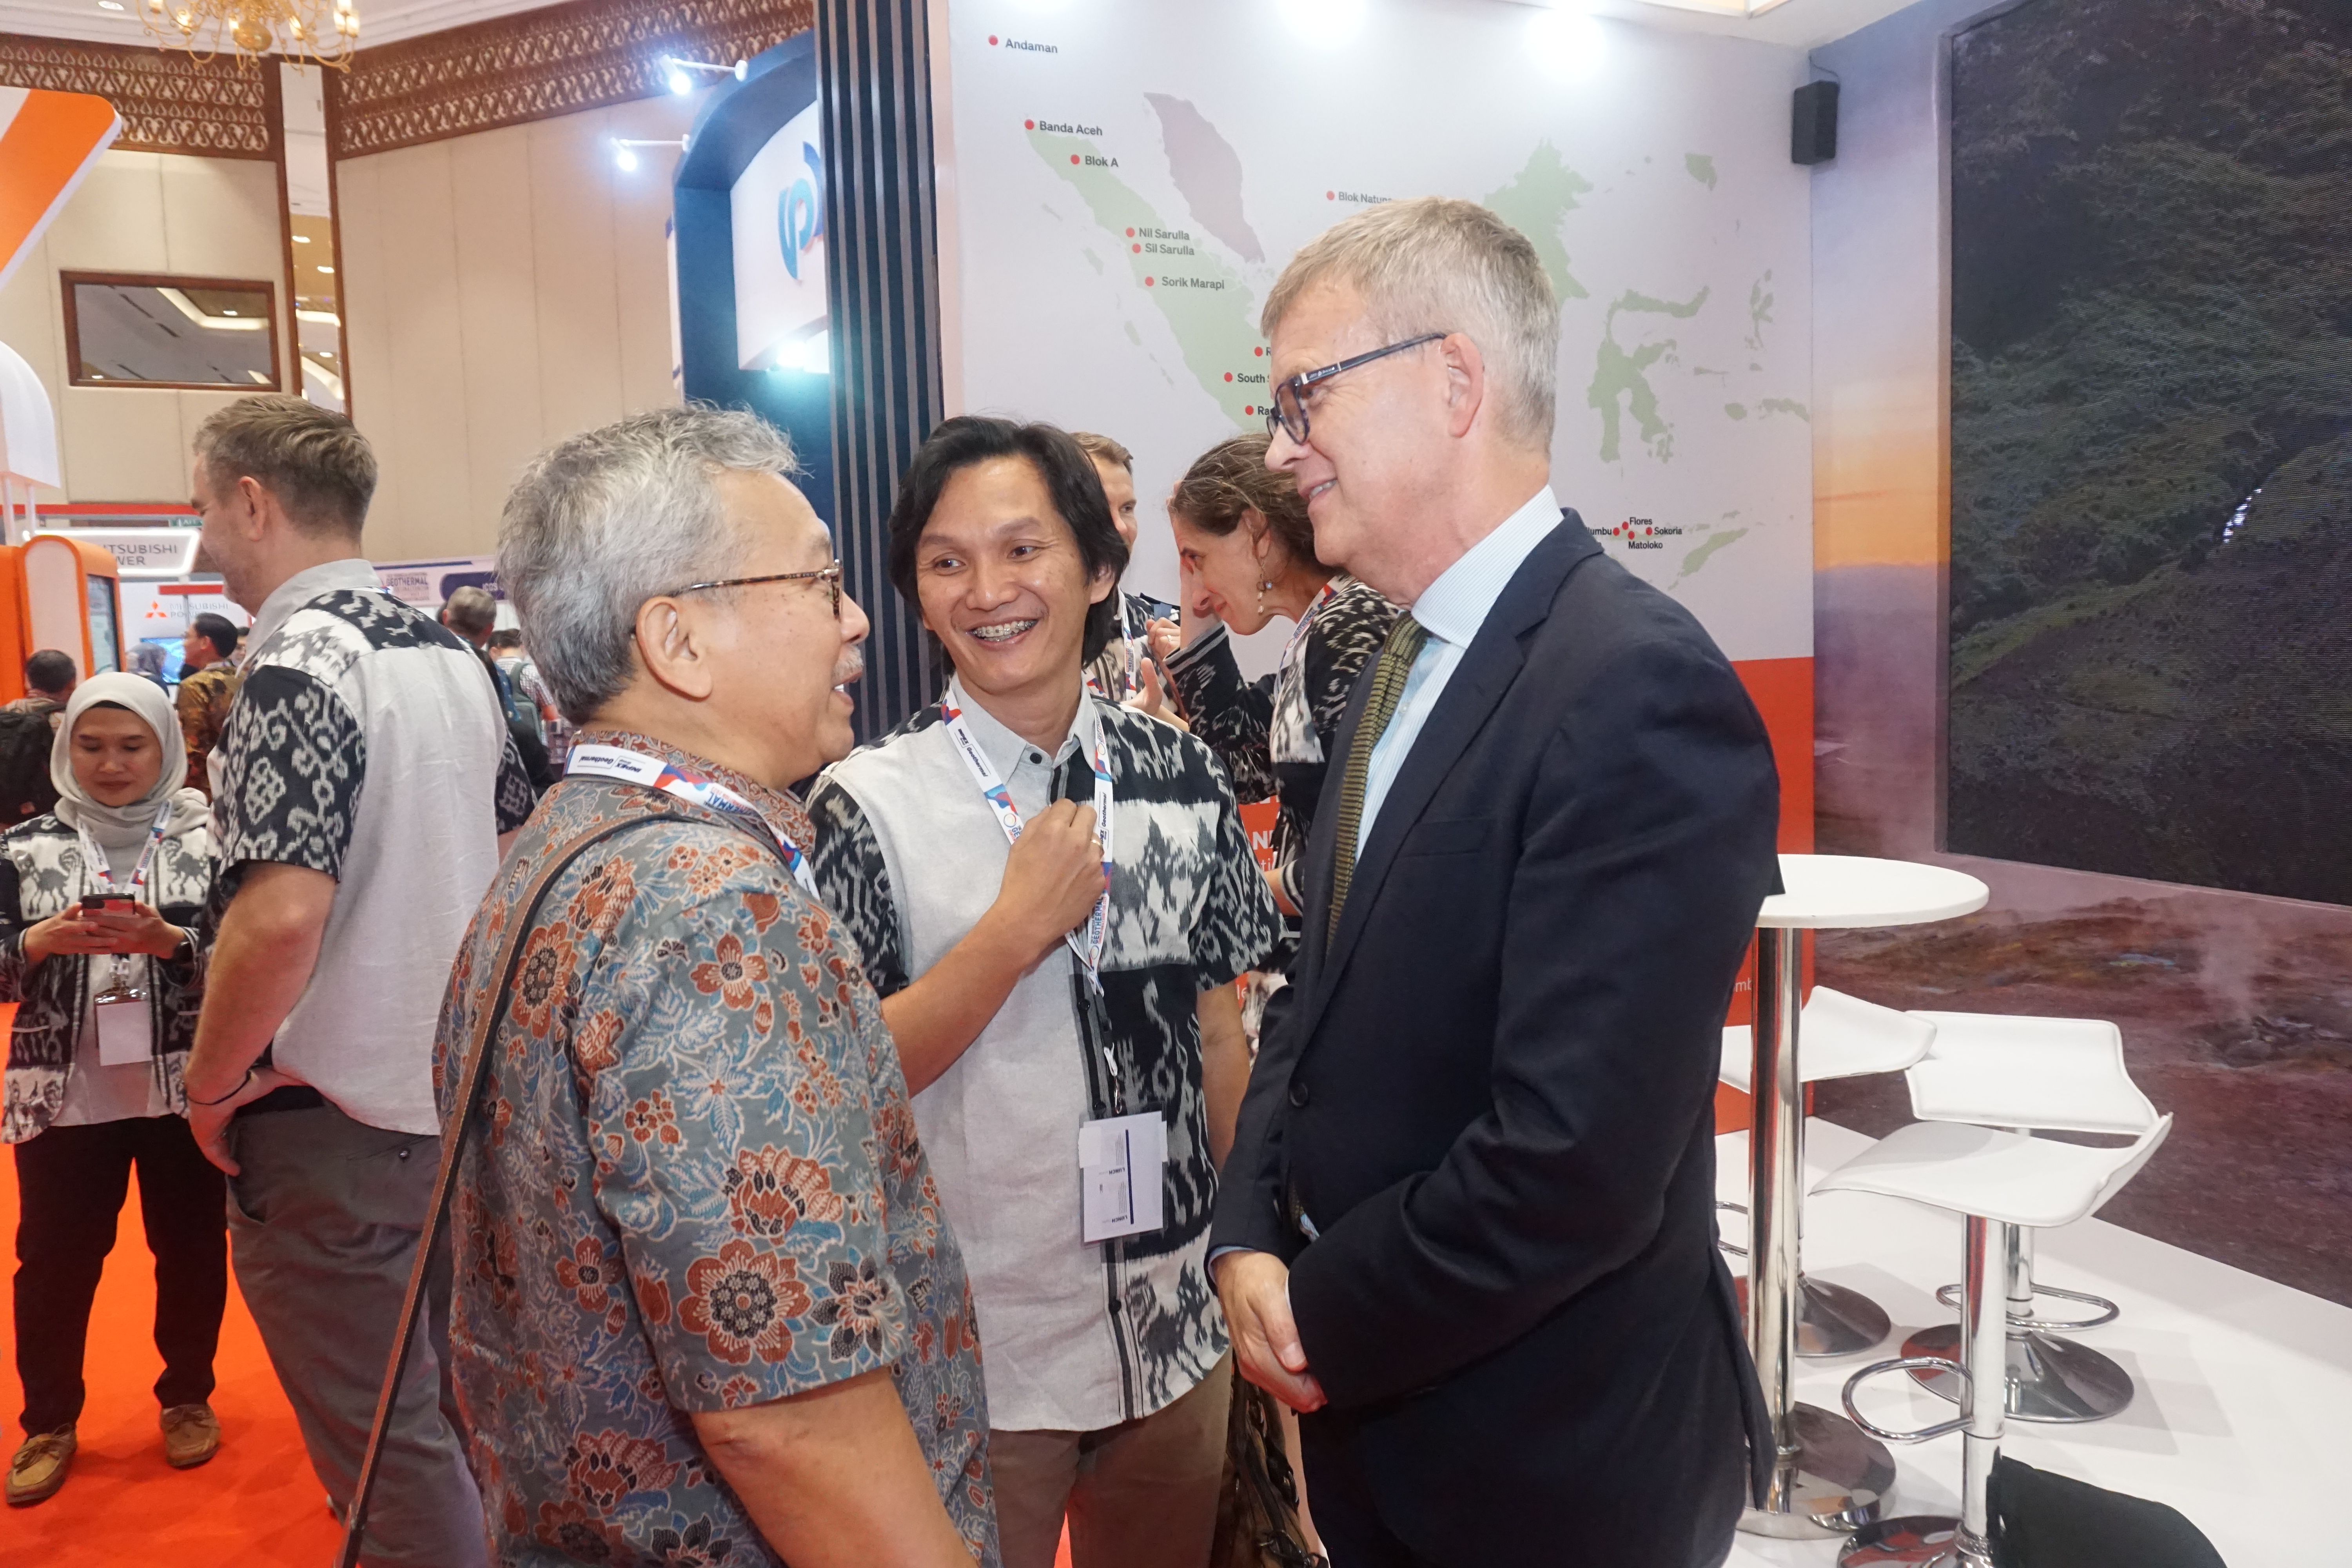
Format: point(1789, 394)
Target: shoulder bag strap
point(463, 1105)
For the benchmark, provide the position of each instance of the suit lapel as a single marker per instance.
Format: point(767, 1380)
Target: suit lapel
point(1487, 668)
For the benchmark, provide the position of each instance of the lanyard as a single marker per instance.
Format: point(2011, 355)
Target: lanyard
point(635, 767)
point(119, 972)
point(1133, 677)
point(1008, 816)
point(102, 877)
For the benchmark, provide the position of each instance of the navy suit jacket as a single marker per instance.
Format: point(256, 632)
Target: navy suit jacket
point(1493, 1096)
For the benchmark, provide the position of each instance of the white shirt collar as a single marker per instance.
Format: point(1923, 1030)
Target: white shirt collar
point(1454, 606)
point(351, 573)
point(1002, 747)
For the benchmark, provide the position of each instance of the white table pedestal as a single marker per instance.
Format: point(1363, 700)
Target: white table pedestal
point(1829, 1477)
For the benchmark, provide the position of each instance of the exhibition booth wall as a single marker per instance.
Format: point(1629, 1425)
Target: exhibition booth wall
point(141, 212)
point(505, 289)
point(1754, 408)
point(1120, 187)
point(2186, 688)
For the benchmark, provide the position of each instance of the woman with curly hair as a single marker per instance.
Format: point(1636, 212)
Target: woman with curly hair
point(1248, 556)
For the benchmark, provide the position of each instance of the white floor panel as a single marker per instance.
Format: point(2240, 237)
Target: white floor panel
point(2242, 1382)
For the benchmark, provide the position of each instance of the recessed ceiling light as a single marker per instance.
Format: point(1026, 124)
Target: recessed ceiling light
point(228, 313)
point(110, 5)
point(301, 239)
point(325, 268)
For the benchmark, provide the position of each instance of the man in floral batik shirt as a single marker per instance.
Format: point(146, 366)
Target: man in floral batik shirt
point(706, 1306)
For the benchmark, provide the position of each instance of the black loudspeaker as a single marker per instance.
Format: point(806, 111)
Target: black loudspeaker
point(1812, 123)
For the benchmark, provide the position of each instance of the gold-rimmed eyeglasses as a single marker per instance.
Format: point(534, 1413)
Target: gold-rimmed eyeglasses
point(828, 575)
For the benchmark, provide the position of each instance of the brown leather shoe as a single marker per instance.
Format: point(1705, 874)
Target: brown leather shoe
point(191, 1435)
point(39, 1467)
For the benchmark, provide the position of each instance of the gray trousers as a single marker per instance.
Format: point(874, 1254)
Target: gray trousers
point(324, 1217)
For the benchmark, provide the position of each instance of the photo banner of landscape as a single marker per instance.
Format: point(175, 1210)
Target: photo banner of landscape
point(2151, 434)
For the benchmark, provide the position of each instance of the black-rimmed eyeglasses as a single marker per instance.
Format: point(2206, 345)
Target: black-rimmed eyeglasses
point(1287, 412)
point(828, 575)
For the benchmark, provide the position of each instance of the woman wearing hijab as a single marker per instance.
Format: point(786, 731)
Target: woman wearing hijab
point(107, 997)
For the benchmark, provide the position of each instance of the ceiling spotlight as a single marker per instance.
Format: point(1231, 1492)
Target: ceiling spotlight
point(110, 5)
point(1566, 44)
point(1326, 24)
point(681, 83)
point(624, 156)
point(301, 239)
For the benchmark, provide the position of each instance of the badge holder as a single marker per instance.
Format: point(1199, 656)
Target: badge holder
point(125, 1026)
point(1122, 1158)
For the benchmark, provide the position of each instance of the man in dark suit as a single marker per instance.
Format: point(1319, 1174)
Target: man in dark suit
point(1467, 1225)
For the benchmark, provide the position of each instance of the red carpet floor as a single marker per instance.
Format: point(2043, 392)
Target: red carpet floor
point(256, 1506)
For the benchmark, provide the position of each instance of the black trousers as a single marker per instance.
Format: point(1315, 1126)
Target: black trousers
point(71, 1183)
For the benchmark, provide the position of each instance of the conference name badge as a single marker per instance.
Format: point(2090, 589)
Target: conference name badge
point(125, 1034)
point(1122, 1166)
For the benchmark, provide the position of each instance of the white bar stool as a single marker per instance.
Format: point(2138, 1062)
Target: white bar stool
point(2027, 1073)
point(2001, 1182)
point(1845, 1037)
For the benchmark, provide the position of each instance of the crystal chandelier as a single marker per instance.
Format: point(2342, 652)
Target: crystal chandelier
point(324, 32)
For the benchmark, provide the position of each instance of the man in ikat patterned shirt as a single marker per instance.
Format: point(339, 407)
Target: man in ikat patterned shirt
point(1071, 991)
point(707, 1308)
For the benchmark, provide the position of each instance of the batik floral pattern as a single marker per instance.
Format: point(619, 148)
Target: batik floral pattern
point(696, 1185)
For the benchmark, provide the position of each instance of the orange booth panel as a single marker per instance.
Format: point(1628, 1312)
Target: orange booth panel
point(69, 601)
point(13, 647)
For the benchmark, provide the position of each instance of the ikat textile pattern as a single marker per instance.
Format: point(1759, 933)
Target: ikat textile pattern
point(41, 872)
point(1275, 735)
point(1190, 912)
point(695, 1184)
point(294, 754)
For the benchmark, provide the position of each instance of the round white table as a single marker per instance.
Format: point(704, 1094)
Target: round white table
point(1829, 1477)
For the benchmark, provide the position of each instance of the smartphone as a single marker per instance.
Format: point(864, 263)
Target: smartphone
point(93, 902)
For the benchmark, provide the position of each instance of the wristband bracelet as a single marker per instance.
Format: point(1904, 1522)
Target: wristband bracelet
point(232, 1094)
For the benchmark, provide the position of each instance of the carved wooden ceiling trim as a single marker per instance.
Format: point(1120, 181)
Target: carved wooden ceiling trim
point(169, 103)
point(559, 59)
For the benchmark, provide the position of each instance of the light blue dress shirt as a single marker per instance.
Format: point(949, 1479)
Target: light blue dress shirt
point(1453, 608)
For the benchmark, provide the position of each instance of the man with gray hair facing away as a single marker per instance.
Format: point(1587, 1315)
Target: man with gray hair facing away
point(365, 778)
point(1467, 1227)
point(709, 1308)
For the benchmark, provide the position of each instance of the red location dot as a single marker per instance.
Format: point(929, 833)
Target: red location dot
point(1328, 195)
point(1074, 157)
point(1647, 531)
point(1229, 375)
point(1028, 125)
point(992, 37)
point(1130, 234)
point(1247, 409)
point(1260, 352)
point(1147, 282)
point(1137, 248)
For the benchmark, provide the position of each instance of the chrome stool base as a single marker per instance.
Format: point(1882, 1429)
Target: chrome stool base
point(1842, 1477)
point(1831, 1321)
point(1914, 1540)
point(2050, 1379)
